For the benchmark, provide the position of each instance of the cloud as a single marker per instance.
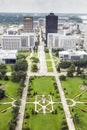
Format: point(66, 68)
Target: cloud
point(63, 6)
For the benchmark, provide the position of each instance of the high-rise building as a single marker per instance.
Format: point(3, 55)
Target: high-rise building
point(28, 24)
point(51, 24)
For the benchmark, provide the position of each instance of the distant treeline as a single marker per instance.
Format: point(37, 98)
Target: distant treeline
point(17, 18)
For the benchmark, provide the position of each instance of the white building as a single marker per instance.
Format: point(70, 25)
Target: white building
point(23, 41)
point(72, 55)
point(8, 57)
point(66, 42)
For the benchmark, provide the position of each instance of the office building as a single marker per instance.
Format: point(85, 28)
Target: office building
point(28, 24)
point(55, 40)
point(18, 42)
point(51, 24)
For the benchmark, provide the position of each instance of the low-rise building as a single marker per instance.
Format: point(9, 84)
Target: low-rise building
point(8, 57)
point(72, 55)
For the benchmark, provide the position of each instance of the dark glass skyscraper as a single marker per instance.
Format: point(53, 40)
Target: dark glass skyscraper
point(51, 24)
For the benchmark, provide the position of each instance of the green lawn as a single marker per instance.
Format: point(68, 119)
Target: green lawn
point(72, 86)
point(8, 68)
point(4, 106)
point(35, 55)
point(47, 56)
point(5, 118)
point(11, 88)
point(43, 85)
point(49, 66)
point(43, 121)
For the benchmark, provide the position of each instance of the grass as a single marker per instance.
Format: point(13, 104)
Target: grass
point(47, 56)
point(82, 124)
point(6, 99)
point(43, 85)
point(8, 68)
point(43, 122)
point(73, 89)
point(48, 62)
point(11, 88)
point(5, 119)
point(4, 106)
point(49, 66)
point(72, 86)
point(35, 55)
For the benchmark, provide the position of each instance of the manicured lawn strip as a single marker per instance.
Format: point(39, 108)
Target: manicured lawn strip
point(47, 56)
point(5, 118)
point(4, 106)
point(48, 62)
point(49, 66)
point(28, 59)
point(8, 68)
point(35, 55)
point(72, 86)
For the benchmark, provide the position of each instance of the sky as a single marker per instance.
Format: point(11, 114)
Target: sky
point(44, 6)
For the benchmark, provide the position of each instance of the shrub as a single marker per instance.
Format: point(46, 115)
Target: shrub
point(62, 77)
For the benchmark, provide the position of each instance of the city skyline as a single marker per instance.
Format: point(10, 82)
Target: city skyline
point(42, 6)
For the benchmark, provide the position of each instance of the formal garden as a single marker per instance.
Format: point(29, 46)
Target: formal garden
point(43, 105)
point(48, 60)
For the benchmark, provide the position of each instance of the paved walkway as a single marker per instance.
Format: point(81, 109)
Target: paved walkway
point(23, 100)
point(63, 99)
point(41, 56)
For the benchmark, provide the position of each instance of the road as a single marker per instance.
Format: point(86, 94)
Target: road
point(41, 56)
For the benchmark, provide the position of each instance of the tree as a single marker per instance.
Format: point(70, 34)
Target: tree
point(69, 73)
point(63, 77)
point(17, 76)
point(58, 68)
point(6, 78)
point(2, 93)
point(21, 56)
point(65, 64)
point(3, 69)
point(79, 72)
point(76, 119)
point(21, 65)
point(34, 68)
point(72, 67)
